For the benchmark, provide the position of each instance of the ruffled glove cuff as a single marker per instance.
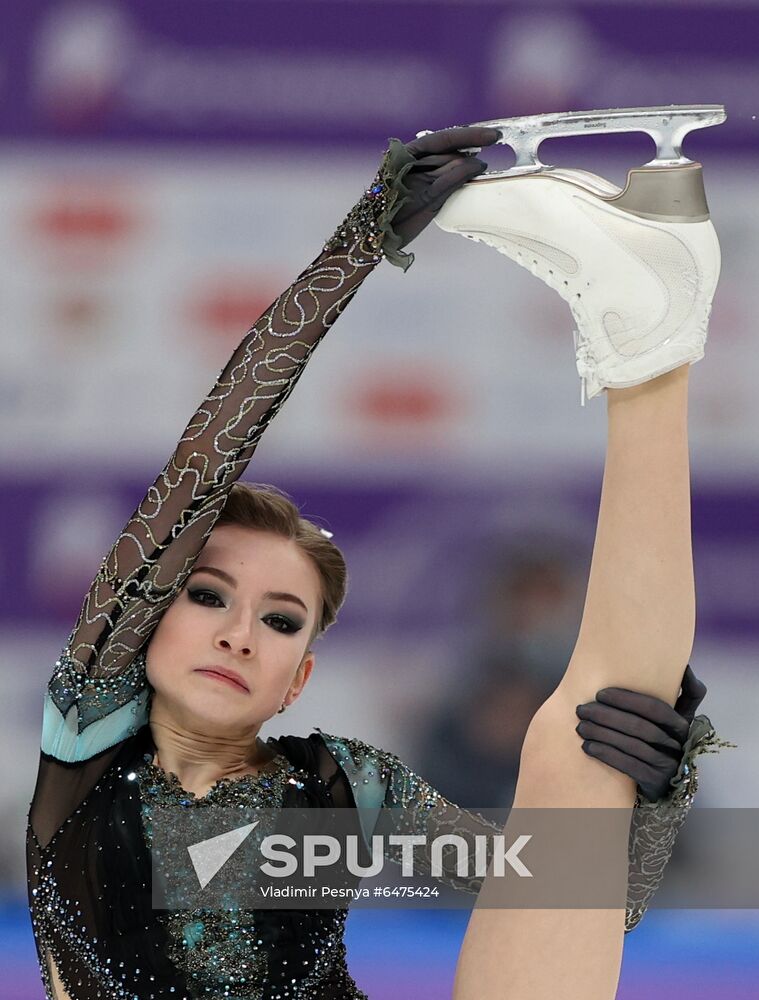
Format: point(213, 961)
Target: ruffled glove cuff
point(370, 219)
point(655, 825)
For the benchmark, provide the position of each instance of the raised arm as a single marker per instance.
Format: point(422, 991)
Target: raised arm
point(152, 557)
point(100, 670)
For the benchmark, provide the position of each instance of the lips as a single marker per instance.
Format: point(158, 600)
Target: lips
point(225, 673)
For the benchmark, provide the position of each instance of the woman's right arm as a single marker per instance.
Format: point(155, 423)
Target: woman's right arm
point(98, 693)
point(100, 669)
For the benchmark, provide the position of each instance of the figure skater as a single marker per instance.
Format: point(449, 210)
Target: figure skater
point(198, 628)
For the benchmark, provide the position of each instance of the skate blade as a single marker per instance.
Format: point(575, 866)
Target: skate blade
point(667, 126)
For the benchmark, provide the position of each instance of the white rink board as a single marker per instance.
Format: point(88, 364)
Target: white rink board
point(110, 266)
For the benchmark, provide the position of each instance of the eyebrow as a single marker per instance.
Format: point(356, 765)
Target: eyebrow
point(270, 595)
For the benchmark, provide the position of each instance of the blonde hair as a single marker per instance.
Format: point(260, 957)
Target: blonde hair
point(267, 508)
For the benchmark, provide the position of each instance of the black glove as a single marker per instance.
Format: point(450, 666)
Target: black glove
point(410, 187)
point(439, 169)
point(640, 735)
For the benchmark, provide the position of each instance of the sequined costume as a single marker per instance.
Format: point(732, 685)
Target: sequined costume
point(88, 835)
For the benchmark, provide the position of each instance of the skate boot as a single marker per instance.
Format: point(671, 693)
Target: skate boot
point(638, 266)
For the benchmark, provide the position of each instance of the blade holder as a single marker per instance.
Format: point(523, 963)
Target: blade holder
point(667, 126)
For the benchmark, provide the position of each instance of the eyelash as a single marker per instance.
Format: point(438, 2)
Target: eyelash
point(292, 627)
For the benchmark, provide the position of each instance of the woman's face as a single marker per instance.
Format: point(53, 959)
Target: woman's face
point(233, 613)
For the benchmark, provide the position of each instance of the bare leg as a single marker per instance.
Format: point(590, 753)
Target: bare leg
point(637, 631)
point(58, 990)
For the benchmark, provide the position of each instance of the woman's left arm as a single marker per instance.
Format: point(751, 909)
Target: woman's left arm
point(380, 780)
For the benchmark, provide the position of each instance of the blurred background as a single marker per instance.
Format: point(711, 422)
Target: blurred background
point(166, 169)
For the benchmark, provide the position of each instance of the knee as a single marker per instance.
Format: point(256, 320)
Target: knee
point(548, 739)
point(553, 769)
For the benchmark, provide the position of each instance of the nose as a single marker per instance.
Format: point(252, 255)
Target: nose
point(237, 635)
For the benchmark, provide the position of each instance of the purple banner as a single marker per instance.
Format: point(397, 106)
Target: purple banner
point(223, 71)
point(420, 555)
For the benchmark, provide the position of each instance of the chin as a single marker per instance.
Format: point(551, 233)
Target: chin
point(210, 708)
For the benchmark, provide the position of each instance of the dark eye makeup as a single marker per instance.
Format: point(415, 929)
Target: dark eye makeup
point(288, 627)
point(196, 596)
point(282, 624)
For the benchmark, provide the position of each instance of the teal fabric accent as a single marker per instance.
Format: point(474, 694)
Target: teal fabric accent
point(61, 739)
point(193, 932)
point(369, 790)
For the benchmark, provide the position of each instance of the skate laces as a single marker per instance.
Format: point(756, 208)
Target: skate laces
point(686, 338)
point(546, 274)
point(584, 354)
point(586, 362)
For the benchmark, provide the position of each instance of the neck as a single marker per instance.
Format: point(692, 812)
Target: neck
point(199, 760)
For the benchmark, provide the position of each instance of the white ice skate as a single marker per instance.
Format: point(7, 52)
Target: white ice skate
point(637, 265)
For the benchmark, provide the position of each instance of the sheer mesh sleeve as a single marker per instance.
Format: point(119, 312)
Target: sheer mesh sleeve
point(153, 555)
point(100, 676)
point(151, 559)
point(380, 780)
point(655, 825)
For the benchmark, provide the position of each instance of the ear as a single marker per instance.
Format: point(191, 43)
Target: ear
point(302, 674)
